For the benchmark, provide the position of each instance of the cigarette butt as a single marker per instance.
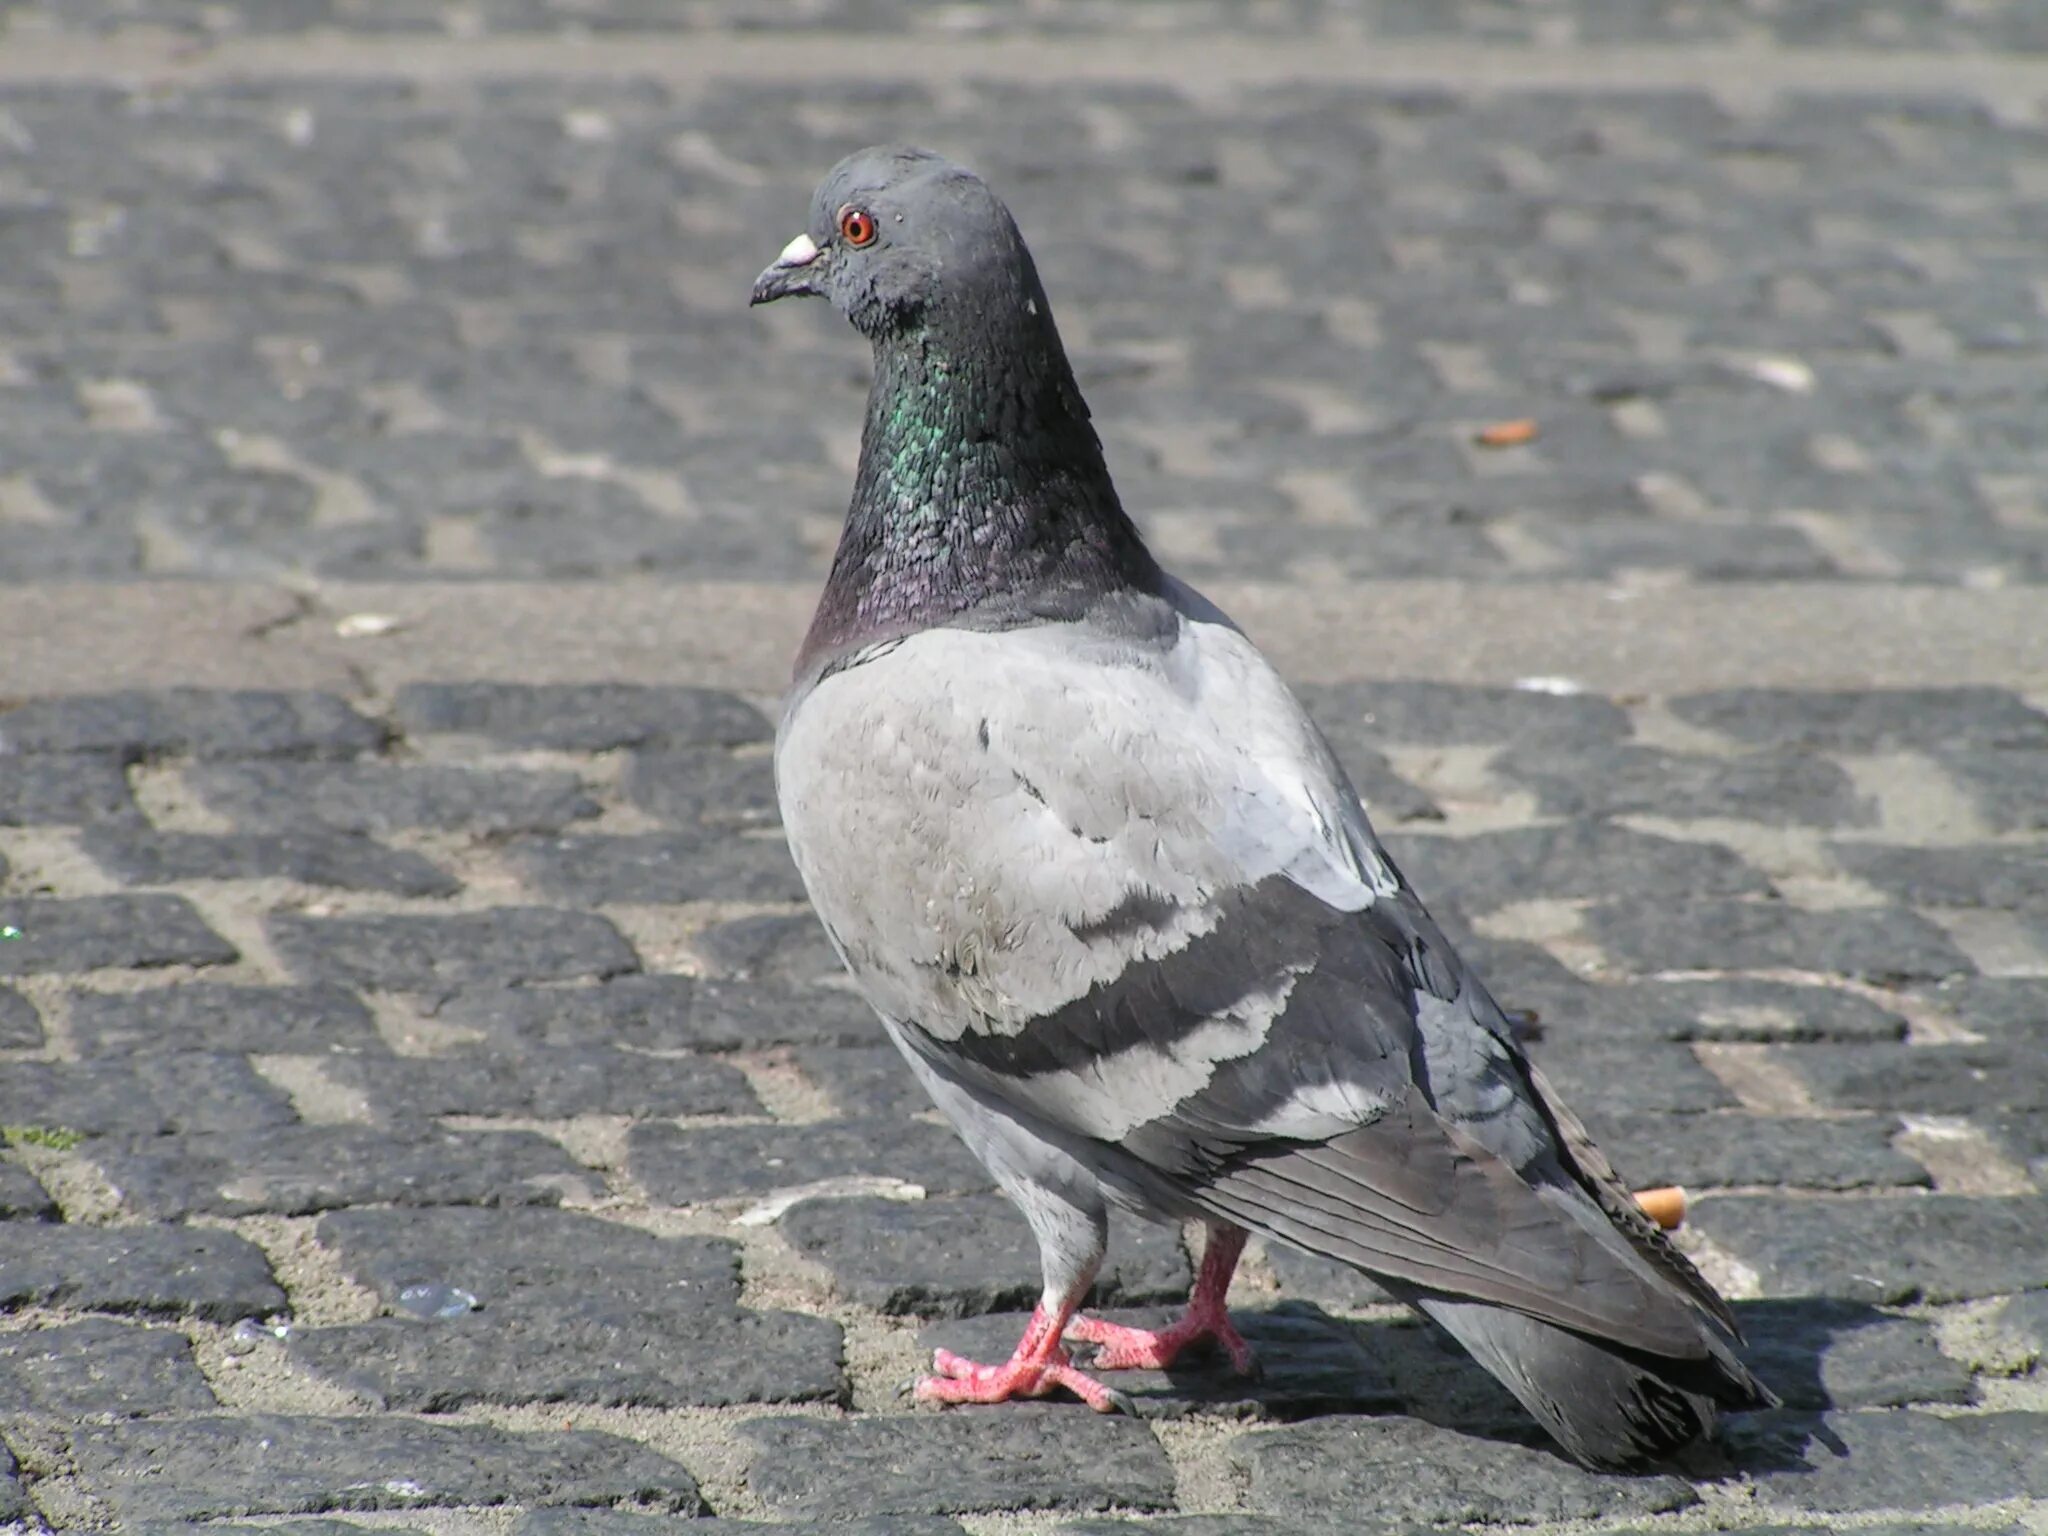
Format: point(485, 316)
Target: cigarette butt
point(1507, 434)
point(1665, 1206)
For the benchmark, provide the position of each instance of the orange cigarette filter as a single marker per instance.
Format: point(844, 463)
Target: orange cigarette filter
point(1665, 1206)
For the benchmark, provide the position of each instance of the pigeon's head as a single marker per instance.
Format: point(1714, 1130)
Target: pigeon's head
point(899, 235)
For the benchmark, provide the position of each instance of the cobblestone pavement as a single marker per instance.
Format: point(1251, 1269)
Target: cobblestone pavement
point(427, 1103)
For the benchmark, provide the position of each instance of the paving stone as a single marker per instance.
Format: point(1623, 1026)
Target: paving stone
point(64, 791)
point(16, 1508)
point(377, 797)
point(196, 1091)
point(1232, 1525)
point(505, 946)
point(1388, 798)
point(865, 1080)
point(1927, 1079)
point(573, 1309)
point(1739, 1008)
point(1774, 788)
point(581, 717)
point(658, 867)
point(304, 1526)
point(22, 1196)
point(90, 933)
point(297, 1170)
point(2010, 1008)
point(788, 950)
point(1882, 944)
point(961, 1256)
point(1443, 714)
point(621, 1522)
point(703, 787)
point(1816, 1354)
point(1324, 1281)
point(266, 1463)
point(196, 1016)
point(1872, 720)
point(1849, 1462)
point(191, 722)
point(1883, 1252)
point(1404, 1469)
point(1026, 1456)
point(2017, 1330)
point(78, 1371)
point(691, 1165)
point(1308, 1364)
point(665, 1013)
point(1584, 860)
point(137, 856)
point(157, 1271)
point(2006, 786)
point(547, 1084)
point(21, 1026)
point(2011, 879)
point(1597, 1076)
point(1717, 1151)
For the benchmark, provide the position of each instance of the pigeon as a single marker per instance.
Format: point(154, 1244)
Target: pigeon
point(1120, 910)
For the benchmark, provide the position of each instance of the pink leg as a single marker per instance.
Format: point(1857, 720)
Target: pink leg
point(1124, 1349)
point(1039, 1364)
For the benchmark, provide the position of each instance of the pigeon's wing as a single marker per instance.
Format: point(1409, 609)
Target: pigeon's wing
point(1106, 874)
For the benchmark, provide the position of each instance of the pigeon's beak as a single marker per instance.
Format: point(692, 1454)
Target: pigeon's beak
point(792, 272)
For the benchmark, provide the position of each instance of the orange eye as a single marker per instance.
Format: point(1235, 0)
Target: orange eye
point(856, 226)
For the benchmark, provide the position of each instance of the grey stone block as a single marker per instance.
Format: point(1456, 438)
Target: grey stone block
point(64, 791)
point(1598, 1076)
point(196, 1016)
point(550, 1084)
point(1882, 1252)
point(137, 856)
point(1877, 720)
point(1404, 1469)
point(1739, 1008)
point(572, 1309)
point(505, 945)
point(666, 1013)
point(580, 717)
point(154, 1271)
point(262, 1464)
point(658, 867)
point(1443, 714)
point(297, 1170)
point(91, 933)
point(1025, 1456)
point(1928, 1079)
point(1722, 1150)
point(21, 1026)
point(1883, 944)
point(1774, 788)
point(690, 1165)
point(2012, 879)
point(703, 786)
point(22, 1196)
point(191, 722)
point(960, 1256)
point(377, 797)
point(1577, 860)
point(1850, 1462)
point(188, 1092)
point(79, 1371)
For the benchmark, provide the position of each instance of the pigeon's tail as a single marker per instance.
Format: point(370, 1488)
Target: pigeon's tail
point(1608, 1406)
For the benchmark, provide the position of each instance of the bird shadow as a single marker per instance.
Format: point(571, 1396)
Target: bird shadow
point(1314, 1364)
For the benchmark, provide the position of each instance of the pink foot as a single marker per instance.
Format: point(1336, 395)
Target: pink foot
point(1143, 1349)
point(1039, 1367)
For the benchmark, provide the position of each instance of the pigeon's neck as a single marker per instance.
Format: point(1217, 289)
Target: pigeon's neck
point(981, 490)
